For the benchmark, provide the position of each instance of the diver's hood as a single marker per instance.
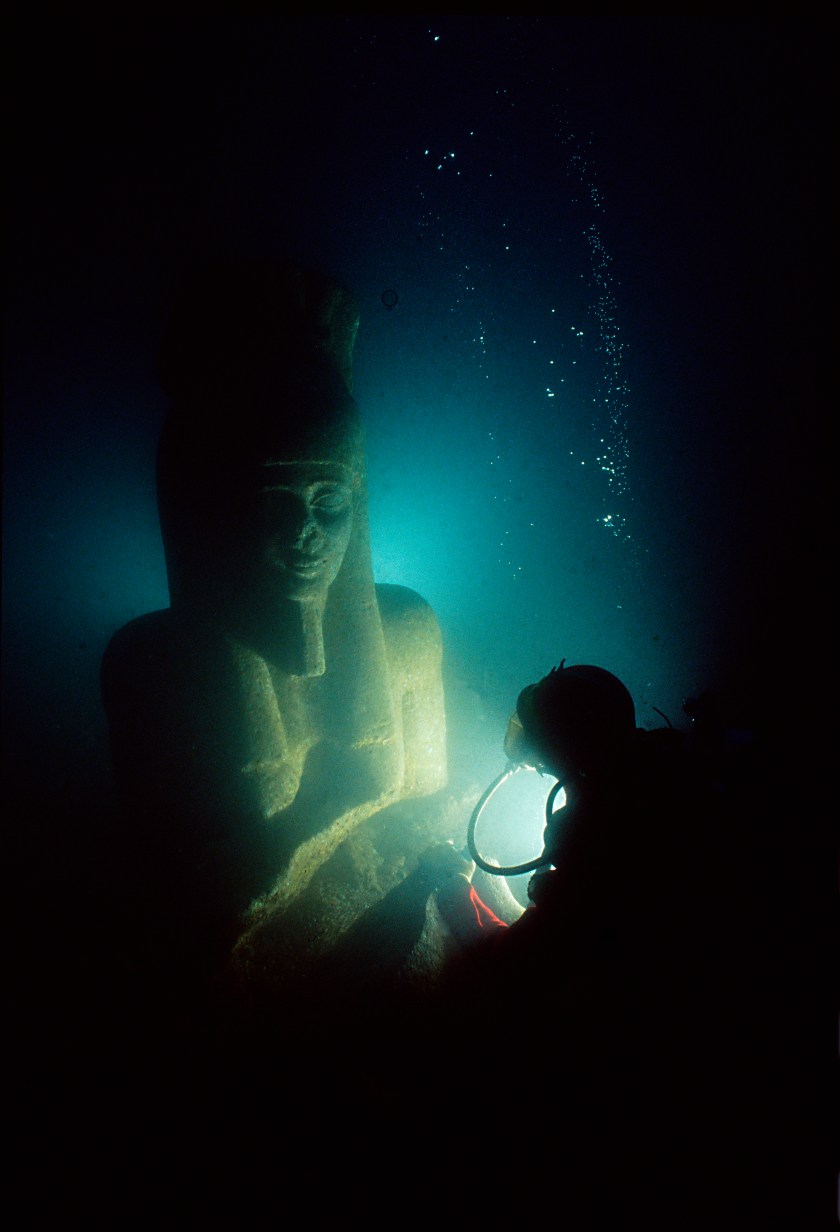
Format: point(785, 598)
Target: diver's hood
point(574, 721)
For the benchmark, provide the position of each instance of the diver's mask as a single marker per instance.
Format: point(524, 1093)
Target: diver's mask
point(518, 748)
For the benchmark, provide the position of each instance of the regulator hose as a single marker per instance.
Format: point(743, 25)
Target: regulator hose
point(509, 870)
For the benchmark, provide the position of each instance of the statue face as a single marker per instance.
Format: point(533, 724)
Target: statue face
point(305, 521)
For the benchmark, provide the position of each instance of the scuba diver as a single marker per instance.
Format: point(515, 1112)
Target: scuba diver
point(578, 725)
point(604, 1004)
point(608, 1038)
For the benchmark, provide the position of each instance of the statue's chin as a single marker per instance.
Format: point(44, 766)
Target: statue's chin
point(303, 589)
point(303, 580)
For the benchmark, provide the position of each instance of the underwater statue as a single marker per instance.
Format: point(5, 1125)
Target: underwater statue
point(283, 698)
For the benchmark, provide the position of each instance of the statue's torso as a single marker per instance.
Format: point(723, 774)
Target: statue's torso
point(215, 748)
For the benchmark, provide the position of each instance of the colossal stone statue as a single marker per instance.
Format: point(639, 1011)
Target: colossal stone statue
point(283, 698)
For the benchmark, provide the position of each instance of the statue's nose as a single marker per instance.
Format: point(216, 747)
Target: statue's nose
point(309, 531)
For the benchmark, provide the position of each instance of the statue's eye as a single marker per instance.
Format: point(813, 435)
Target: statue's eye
point(280, 507)
point(332, 500)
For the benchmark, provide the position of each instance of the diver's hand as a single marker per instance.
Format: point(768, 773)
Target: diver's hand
point(466, 916)
point(442, 861)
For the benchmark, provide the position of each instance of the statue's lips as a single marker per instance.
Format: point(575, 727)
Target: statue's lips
point(304, 566)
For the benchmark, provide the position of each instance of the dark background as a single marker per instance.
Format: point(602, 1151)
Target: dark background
point(644, 201)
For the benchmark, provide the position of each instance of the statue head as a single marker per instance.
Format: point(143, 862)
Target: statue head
point(302, 527)
point(261, 477)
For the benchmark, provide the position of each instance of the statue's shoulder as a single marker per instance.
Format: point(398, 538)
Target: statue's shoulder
point(400, 607)
point(140, 651)
point(408, 622)
point(145, 635)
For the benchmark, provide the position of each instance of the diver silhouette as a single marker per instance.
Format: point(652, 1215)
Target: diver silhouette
point(578, 725)
point(618, 995)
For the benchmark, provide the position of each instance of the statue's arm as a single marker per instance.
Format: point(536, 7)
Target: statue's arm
point(190, 811)
point(415, 652)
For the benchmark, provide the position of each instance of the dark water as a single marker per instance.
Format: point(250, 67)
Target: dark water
point(604, 238)
point(596, 412)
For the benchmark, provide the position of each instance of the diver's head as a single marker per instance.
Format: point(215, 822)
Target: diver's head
point(575, 723)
